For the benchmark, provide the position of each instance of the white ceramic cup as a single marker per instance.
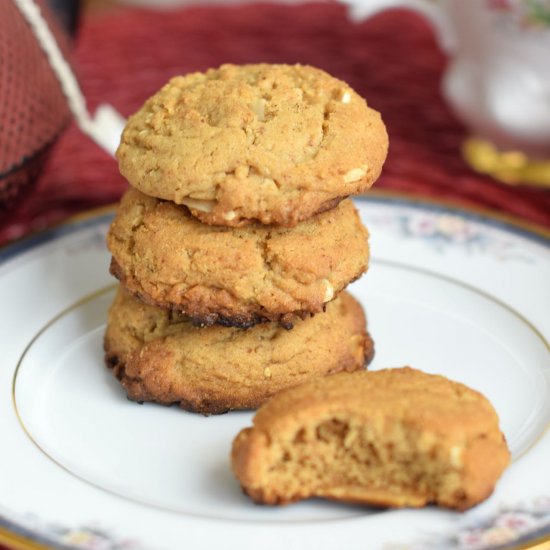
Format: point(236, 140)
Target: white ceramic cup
point(497, 80)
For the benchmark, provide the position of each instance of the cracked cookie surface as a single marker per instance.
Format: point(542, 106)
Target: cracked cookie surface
point(234, 276)
point(395, 437)
point(159, 356)
point(268, 143)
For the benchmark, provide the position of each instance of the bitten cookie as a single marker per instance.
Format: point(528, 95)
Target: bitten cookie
point(396, 437)
point(268, 143)
point(159, 357)
point(234, 276)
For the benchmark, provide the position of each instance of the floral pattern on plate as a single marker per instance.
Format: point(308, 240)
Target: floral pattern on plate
point(443, 230)
point(513, 525)
point(54, 535)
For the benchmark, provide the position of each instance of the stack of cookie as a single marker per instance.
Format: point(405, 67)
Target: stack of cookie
point(236, 238)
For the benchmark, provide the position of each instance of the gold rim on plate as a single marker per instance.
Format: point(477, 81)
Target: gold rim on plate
point(510, 167)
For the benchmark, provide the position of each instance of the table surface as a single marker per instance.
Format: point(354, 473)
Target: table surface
point(125, 55)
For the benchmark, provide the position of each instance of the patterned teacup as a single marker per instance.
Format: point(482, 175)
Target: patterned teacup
point(497, 80)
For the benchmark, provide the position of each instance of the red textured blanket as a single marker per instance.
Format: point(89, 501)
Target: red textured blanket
point(122, 57)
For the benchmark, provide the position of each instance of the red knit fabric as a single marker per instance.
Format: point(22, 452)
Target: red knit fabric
point(393, 60)
point(33, 109)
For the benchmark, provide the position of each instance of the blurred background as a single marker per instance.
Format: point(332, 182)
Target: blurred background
point(464, 91)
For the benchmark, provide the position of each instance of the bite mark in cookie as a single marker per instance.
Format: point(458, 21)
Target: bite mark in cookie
point(391, 438)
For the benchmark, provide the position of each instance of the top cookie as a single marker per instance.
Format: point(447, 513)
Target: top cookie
point(267, 143)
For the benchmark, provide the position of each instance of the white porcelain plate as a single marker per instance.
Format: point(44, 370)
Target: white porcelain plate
point(447, 292)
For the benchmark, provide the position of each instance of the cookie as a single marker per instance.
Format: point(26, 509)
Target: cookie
point(234, 276)
point(160, 357)
point(268, 143)
point(392, 438)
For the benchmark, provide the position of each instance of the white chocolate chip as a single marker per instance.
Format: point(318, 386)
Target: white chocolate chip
point(201, 205)
point(329, 291)
point(346, 97)
point(267, 372)
point(456, 456)
point(230, 215)
point(269, 181)
point(258, 106)
point(355, 174)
